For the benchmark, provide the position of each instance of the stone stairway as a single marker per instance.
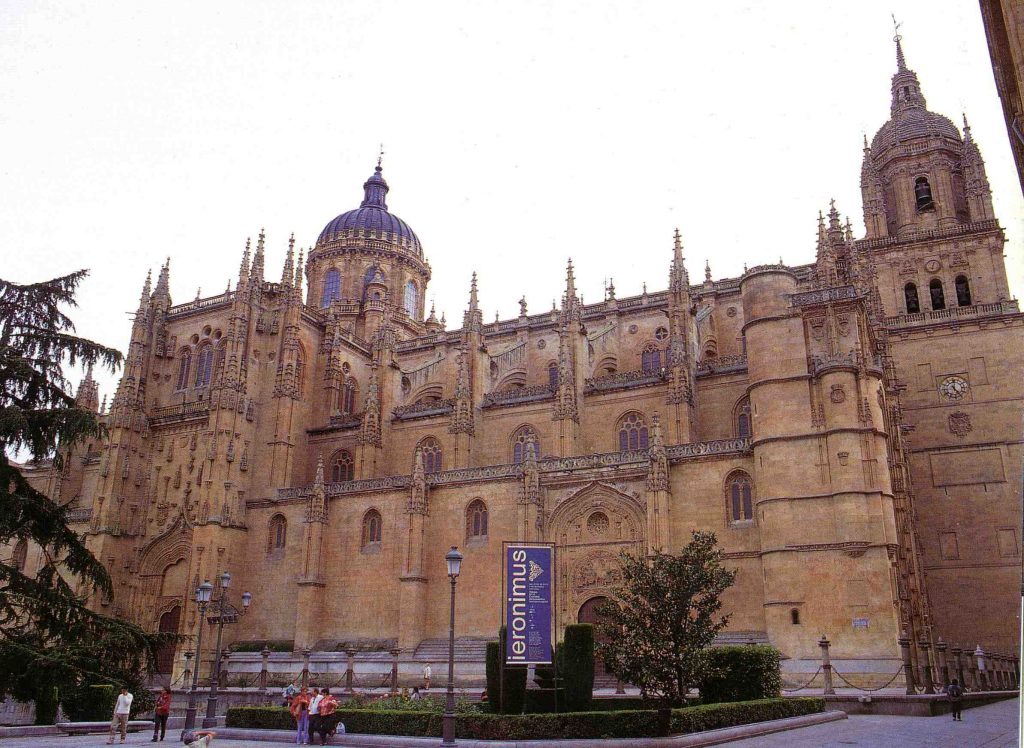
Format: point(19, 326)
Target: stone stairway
point(467, 649)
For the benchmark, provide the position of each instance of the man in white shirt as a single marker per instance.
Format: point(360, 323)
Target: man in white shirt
point(426, 678)
point(314, 711)
point(122, 709)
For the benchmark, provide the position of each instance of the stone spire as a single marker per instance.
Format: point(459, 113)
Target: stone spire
point(976, 184)
point(473, 319)
point(147, 290)
point(678, 277)
point(657, 469)
point(906, 89)
point(88, 392)
point(462, 412)
point(707, 271)
point(256, 274)
point(417, 503)
point(300, 271)
point(162, 292)
point(370, 431)
point(243, 267)
point(316, 510)
point(288, 272)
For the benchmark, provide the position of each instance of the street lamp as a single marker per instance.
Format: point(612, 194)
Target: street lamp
point(203, 593)
point(226, 614)
point(454, 561)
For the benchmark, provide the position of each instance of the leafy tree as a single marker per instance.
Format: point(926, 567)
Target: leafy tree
point(49, 638)
point(659, 623)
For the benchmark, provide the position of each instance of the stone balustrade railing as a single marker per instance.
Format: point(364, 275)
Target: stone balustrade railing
point(517, 395)
point(722, 364)
point(953, 314)
point(424, 410)
point(180, 412)
point(622, 380)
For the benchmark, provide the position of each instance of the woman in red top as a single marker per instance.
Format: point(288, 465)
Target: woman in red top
point(162, 712)
point(300, 711)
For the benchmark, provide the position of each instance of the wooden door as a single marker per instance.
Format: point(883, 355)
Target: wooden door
point(169, 623)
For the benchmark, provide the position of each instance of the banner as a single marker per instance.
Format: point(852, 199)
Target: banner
point(529, 581)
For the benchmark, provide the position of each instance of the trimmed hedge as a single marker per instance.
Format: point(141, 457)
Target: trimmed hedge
point(513, 681)
point(274, 645)
point(741, 673)
point(576, 666)
point(592, 725)
point(493, 661)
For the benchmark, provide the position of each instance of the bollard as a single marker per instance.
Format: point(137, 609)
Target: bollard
point(940, 662)
point(908, 669)
point(304, 680)
point(264, 668)
point(979, 658)
point(394, 670)
point(926, 665)
point(958, 666)
point(826, 665)
point(350, 670)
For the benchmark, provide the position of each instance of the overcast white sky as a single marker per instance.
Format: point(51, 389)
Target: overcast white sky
point(516, 135)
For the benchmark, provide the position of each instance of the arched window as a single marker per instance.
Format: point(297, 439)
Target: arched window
point(277, 534)
point(632, 432)
point(332, 287)
point(520, 437)
point(476, 520)
point(910, 297)
point(739, 490)
point(743, 429)
point(342, 466)
point(183, 368)
point(372, 530)
point(650, 359)
point(553, 375)
point(794, 616)
point(20, 557)
point(937, 294)
point(348, 396)
point(923, 194)
point(431, 451)
point(204, 366)
point(411, 298)
point(963, 291)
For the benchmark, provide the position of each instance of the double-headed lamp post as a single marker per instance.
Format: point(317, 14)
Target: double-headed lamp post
point(203, 593)
point(454, 560)
point(226, 614)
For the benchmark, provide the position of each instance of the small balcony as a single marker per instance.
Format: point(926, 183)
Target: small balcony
point(518, 396)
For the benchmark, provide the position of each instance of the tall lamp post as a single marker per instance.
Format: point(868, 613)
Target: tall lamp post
point(454, 560)
point(203, 593)
point(226, 614)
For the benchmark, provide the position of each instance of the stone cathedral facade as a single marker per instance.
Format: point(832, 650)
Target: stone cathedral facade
point(850, 429)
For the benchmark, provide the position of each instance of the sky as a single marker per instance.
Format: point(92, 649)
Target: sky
point(516, 135)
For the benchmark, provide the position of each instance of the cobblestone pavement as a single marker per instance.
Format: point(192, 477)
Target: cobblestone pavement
point(992, 726)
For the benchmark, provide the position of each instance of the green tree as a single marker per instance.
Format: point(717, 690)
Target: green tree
point(49, 638)
point(659, 623)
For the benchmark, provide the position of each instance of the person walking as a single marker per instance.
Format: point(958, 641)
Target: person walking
point(426, 678)
point(300, 711)
point(314, 711)
point(122, 709)
point(955, 694)
point(161, 712)
point(325, 721)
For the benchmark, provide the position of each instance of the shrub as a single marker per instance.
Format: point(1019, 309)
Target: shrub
point(89, 702)
point(586, 725)
point(544, 700)
point(493, 661)
point(618, 704)
point(513, 681)
point(274, 645)
point(576, 666)
point(46, 705)
point(741, 673)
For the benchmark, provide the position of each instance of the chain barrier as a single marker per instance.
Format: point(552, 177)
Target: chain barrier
point(800, 688)
point(863, 688)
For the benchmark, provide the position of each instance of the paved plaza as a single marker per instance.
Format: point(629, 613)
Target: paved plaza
point(992, 726)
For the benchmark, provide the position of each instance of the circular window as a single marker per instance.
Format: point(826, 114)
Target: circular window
point(661, 333)
point(542, 344)
point(346, 368)
point(597, 523)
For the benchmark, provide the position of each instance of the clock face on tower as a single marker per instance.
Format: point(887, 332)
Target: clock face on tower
point(953, 388)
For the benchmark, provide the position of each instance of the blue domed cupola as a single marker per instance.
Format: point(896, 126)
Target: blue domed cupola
point(375, 189)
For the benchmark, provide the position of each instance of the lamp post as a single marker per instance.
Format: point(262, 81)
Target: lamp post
point(454, 560)
point(203, 593)
point(226, 614)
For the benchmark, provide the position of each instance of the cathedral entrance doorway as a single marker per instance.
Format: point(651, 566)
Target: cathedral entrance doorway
point(169, 622)
point(588, 614)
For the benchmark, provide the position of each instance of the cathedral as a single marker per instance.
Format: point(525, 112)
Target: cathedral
point(850, 429)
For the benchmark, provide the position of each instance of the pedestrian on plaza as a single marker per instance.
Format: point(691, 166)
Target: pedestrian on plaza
point(122, 709)
point(955, 694)
point(314, 711)
point(198, 738)
point(416, 695)
point(300, 711)
point(162, 711)
point(426, 678)
point(325, 724)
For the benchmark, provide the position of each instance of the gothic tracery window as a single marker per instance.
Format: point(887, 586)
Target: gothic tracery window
point(476, 520)
point(348, 396)
point(332, 287)
point(411, 298)
point(739, 494)
point(632, 432)
point(910, 297)
point(183, 368)
point(372, 530)
point(342, 466)
point(430, 449)
point(204, 366)
point(743, 429)
point(937, 294)
point(650, 358)
point(553, 375)
point(963, 291)
point(277, 534)
point(520, 437)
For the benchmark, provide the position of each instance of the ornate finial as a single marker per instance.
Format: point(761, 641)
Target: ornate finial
point(967, 129)
point(707, 270)
point(866, 146)
point(611, 289)
point(497, 318)
point(901, 63)
point(380, 157)
point(473, 300)
point(522, 307)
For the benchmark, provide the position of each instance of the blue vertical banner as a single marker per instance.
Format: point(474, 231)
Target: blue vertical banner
point(529, 582)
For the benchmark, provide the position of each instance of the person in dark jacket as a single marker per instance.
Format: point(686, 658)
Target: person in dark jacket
point(955, 694)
